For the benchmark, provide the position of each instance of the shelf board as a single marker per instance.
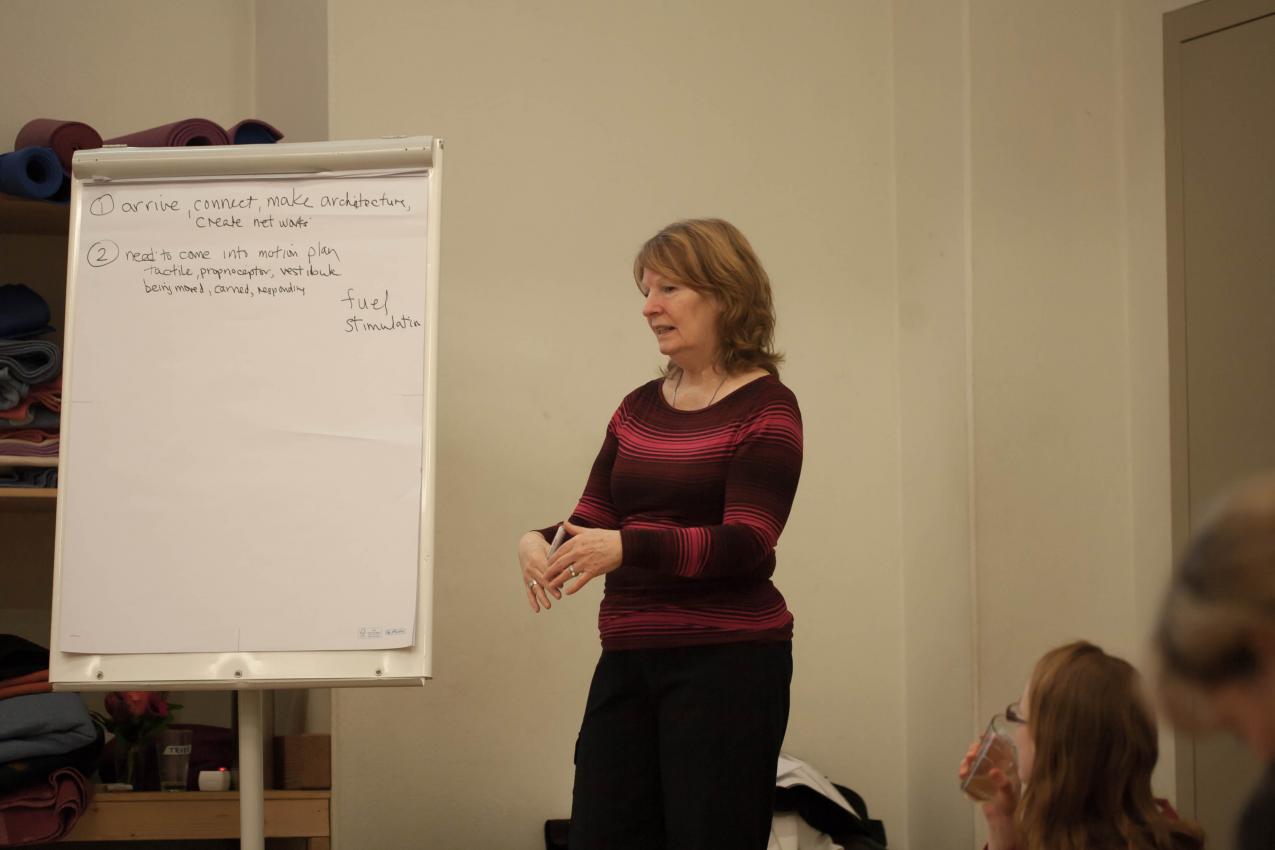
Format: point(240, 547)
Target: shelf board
point(23, 215)
point(14, 460)
point(174, 815)
point(27, 499)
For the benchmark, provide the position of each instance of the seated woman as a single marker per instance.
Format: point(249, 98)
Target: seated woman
point(1086, 742)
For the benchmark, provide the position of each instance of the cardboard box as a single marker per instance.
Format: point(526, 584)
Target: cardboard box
point(302, 761)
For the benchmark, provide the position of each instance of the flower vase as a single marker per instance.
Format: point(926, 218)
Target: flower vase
point(130, 762)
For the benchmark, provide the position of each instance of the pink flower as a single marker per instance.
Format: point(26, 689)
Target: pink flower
point(156, 704)
point(136, 702)
point(136, 715)
point(116, 708)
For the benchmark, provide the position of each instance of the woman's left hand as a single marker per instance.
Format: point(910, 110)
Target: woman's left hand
point(589, 553)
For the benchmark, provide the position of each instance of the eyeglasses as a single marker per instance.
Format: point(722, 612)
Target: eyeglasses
point(1014, 714)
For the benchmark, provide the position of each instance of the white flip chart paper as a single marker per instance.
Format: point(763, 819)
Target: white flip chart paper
point(242, 443)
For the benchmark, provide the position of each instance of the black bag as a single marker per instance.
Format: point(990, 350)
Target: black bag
point(826, 816)
point(850, 832)
point(556, 834)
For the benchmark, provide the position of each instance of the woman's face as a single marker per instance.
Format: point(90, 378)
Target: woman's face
point(684, 321)
point(1023, 737)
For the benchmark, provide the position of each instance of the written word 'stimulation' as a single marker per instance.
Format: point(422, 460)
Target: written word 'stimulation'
point(262, 248)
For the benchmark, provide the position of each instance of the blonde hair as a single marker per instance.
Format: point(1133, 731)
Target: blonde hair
point(1096, 745)
point(1221, 595)
point(712, 257)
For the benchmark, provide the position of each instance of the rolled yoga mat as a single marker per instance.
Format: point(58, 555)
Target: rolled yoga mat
point(64, 137)
point(32, 361)
point(23, 311)
point(31, 173)
point(250, 131)
point(192, 131)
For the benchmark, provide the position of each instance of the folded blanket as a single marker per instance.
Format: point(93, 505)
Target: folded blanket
point(250, 131)
point(43, 812)
point(33, 436)
point(64, 138)
point(30, 173)
point(26, 772)
point(12, 391)
point(36, 417)
point(32, 361)
point(32, 683)
point(30, 477)
point(24, 448)
point(43, 725)
point(22, 311)
point(192, 131)
point(48, 394)
point(19, 656)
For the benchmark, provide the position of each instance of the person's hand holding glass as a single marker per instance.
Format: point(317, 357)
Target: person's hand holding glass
point(989, 775)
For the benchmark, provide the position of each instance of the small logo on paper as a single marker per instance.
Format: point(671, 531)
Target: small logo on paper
point(370, 633)
point(396, 631)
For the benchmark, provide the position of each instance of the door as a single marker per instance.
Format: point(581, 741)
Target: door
point(1220, 121)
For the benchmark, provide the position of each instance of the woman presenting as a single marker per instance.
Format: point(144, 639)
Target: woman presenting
point(681, 513)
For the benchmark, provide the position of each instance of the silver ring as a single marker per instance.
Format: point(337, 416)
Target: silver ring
point(573, 572)
point(533, 583)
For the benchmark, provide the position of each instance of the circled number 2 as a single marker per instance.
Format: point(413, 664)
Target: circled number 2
point(103, 253)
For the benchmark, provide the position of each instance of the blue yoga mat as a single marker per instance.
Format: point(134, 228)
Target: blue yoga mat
point(22, 311)
point(253, 132)
point(30, 173)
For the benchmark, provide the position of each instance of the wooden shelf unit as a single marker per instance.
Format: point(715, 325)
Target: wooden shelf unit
point(40, 218)
point(22, 215)
point(28, 498)
point(14, 460)
point(186, 815)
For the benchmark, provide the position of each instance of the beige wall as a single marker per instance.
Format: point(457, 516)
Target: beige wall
point(1070, 364)
point(961, 205)
point(1030, 222)
point(1050, 351)
point(574, 131)
point(932, 187)
point(290, 41)
point(125, 65)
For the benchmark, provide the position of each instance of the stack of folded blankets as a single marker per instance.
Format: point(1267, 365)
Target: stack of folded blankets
point(49, 744)
point(30, 387)
point(40, 165)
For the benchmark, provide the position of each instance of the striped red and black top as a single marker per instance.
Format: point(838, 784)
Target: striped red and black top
point(700, 498)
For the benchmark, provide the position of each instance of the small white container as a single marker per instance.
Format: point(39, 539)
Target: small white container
point(214, 780)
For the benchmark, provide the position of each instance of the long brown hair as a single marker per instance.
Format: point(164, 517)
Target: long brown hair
point(1095, 738)
point(712, 257)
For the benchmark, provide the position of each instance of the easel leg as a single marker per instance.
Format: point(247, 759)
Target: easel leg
point(252, 795)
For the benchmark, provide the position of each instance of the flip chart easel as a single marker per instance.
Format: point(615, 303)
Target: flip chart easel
point(246, 480)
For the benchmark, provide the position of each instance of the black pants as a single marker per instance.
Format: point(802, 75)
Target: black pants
point(678, 747)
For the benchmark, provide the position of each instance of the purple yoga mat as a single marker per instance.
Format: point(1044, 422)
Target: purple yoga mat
point(192, 131)
point(250, 131)
point(64, 137)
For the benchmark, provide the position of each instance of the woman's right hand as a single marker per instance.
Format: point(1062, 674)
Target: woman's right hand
point(999, 808)
point(533, 553)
